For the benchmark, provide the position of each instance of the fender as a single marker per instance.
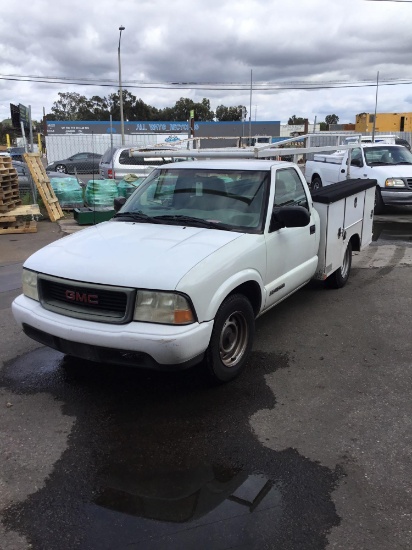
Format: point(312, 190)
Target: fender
point(211, 280)
point(248, 275)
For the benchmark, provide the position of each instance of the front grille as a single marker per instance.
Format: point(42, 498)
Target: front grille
point(102, 303)
point(409, 182)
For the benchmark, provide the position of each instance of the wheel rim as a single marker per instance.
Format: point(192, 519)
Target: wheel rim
point(315, 185)
point(233, 339)
point(344, 270)
point(60, 168)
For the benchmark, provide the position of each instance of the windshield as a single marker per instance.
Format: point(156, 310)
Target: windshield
point(385, 155)
point(231, 200)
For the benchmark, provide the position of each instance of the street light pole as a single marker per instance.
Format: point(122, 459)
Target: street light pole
point(121, 28)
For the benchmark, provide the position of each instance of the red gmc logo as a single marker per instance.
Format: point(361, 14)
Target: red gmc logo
point(82, 297)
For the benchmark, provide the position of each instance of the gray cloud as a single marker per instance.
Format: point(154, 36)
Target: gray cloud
point(210, 41)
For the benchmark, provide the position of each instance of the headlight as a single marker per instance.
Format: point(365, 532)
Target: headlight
point(168, 308)
point(394, 182)
point(29, 281)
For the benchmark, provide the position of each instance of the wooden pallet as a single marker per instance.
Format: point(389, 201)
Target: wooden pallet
point(9, 205)
point(41, 179)
point(9, 187)
point(24, 210)
point(17, 227)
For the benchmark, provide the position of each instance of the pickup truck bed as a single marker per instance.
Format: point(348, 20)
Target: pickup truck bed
point(345, 210)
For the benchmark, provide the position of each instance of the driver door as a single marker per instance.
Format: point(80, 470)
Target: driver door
point(291, 251)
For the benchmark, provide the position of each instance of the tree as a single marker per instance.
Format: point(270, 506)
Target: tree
point(229, 113)
point(68, 105)
point(331, 119)
point(296, 121)
point(182, 108)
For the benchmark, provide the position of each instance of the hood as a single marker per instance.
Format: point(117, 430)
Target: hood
point(389, 171)
point(130, 254)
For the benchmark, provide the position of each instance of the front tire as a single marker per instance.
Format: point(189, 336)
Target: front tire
point(379, 204)
point(339, 278)
point(316, 183)
point(61, 168)
point(231, 340)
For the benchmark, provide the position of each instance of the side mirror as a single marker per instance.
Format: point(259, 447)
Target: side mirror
point(356, 162)
point(289, 216)
point(118, 203)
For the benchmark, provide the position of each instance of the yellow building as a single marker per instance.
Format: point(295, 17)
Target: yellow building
point(385, 122)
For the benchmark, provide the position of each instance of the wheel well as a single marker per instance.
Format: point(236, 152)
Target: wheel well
point(355, 242)
point(316, 176)
point(251, 290)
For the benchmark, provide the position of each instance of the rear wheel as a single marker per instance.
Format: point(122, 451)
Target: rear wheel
point(231, 340)
point(339, 278)
point(316, 183)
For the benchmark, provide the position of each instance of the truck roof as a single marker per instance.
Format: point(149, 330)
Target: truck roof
point(379, 144)
point(231, 164)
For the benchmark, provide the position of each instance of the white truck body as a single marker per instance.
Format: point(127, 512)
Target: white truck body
point(390, 165)
point(189, 262)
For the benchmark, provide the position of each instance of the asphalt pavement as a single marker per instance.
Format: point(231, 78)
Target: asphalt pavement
point(310, 448)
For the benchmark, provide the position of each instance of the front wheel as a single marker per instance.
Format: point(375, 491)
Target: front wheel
point(379, 204)
point(339, 278)
point(231, 340)
point(61, 168)
point(316, 183)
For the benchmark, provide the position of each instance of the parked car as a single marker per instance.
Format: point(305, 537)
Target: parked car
point(25, 179)
point(86, 163)
point(116, 163)
point(16, 153)
point(23, 175)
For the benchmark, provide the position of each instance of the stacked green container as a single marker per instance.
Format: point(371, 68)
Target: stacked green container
point(128, 185)
point(101, 193)
point(68, 192)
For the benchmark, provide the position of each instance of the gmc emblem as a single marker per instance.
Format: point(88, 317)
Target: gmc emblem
point(81, 297)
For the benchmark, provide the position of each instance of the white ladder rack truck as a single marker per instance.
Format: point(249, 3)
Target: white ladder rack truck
point(198, 252)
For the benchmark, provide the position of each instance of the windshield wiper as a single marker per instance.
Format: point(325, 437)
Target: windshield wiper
point(189, 220)
point(379, 163)
point(138, 216)
point(403, 162)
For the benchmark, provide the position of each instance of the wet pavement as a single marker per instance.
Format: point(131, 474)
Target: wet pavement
point(392, 231)
point(309, 449)
point(167, 462)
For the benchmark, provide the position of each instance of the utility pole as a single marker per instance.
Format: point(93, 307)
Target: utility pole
point(121, 28)
point(376, 105)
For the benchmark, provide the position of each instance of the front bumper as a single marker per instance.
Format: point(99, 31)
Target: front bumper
point(141, 344)
point(396, 197)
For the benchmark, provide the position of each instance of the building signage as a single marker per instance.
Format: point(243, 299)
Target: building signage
point(179, 128)
point(130, 128)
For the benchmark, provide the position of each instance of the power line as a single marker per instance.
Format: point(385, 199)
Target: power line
point(280, 86)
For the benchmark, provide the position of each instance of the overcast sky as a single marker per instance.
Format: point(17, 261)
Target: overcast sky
point(284, 44)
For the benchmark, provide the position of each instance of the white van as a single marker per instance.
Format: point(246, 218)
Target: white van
point(116, 163)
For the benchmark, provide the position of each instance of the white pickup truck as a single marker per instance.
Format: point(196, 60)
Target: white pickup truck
point(194, 256)
point(389, 165)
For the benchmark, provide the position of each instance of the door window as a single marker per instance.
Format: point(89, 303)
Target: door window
point(289, 190)
point(357, 157)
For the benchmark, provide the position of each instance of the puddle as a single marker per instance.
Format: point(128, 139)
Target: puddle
point(206, 505)
point(167, 462)
point(384, 231)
